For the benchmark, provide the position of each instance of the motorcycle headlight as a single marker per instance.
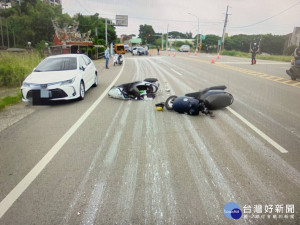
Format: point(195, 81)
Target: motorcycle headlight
point(67, 82)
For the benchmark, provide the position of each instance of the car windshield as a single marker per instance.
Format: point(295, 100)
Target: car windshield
point(57, 64)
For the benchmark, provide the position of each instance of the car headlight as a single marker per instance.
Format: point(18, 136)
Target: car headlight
point(66, 82)
point(25, 84)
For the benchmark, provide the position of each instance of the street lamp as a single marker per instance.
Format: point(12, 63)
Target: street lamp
point(198, 29)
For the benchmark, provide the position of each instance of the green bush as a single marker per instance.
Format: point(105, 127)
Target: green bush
point(14, 67)
point(41, 46)
point(235, 53)
point(281, 58)
point(10, 100)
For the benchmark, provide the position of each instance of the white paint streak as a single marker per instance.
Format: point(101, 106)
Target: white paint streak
point(82, 186)
point(90, 213)
point(176, 72)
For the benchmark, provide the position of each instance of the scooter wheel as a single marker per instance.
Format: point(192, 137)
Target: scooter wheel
point(170, 101)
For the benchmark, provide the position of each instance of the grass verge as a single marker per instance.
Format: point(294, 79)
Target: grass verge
point(281, 58)
point(10, 100)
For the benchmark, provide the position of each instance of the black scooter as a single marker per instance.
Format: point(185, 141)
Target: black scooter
point(203, 101)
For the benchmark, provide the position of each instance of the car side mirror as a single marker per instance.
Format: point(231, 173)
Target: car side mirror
point(82, 68)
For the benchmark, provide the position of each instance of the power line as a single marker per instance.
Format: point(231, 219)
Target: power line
point(83, 7)
point(269, 17)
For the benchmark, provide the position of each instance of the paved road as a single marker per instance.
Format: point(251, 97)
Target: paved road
point(108, 161)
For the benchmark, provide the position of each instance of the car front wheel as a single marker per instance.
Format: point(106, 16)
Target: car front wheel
point(81, 91)
point(95, 80)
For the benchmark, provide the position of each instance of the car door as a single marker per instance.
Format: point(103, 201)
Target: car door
point(84, 74)
point(90, 70)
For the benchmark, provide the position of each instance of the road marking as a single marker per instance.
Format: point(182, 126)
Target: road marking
point(259, 132)
point(249, 72)
point(260, 63)
point(14, 194)
point(176, 72)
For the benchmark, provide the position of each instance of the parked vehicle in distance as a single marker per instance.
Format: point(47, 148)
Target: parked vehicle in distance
point(184, 48)
point(138, 51)
point(60, 77)
point(171, 49)
point(127, 48)
point(120, 49)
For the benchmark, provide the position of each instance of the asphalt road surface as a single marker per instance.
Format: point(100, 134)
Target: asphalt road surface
point(108, 161)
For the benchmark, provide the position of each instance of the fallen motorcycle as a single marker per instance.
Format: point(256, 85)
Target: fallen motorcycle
point(138, 90)
point(203, 101)
point(118, 59)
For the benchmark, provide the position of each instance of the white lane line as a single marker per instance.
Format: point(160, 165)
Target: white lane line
point(259, 132)
point(14, 194)
point(176, 72)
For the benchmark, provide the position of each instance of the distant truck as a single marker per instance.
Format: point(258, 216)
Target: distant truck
point(184, 48)
point(120, 49)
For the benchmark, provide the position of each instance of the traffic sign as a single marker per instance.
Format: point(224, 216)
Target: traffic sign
point(122, 20)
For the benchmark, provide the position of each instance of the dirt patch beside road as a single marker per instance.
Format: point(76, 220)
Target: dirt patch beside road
point(13, 114)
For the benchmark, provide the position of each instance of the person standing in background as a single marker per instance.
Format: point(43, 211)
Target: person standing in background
point(106, 55)
point(254, 49)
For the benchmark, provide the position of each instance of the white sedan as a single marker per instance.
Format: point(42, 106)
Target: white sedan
point(60, 77)
point(138, 51)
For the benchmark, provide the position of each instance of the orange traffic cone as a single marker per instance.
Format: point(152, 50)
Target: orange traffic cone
point(174, 54)
point(189, 53)
point(213, 60)
point(218, 57)
point(169, 54)
point(195, 53)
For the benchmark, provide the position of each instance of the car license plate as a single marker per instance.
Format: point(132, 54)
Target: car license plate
point(45, 93)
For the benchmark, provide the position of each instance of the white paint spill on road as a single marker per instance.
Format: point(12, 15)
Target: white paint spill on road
point(210, 164)
point(81, 188)
point(176, 72)
point(91, 211)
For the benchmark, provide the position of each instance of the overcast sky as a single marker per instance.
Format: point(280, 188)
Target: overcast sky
point(246, 16)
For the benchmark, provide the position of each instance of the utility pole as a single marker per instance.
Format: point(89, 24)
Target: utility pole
point(162, 40)
point(106, 31)
point(198, 30)
point(224, 29)
point(1, 32)
point(167, 37)
point(7, 35)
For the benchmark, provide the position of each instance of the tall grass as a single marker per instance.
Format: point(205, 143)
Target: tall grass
point(282, 58)
point(14, 67)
